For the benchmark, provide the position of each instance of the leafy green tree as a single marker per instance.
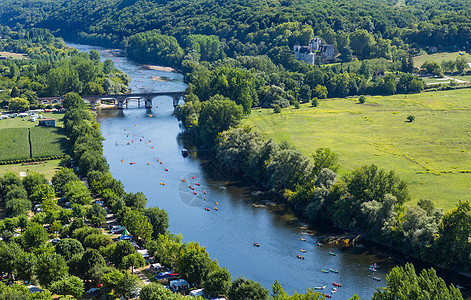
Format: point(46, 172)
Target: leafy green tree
point(361, 42)
point(8, 182)
point(18, 104)
point(168, 250)
point(136, 201)
point(25, 265)
point(194, 264)
point(15, 92)
point(217, 114)
point(217, 283)
point(138, 225)
point(245, 289)
point(96, 214)
point(277, 109)
point(460, 64)
point(96, 241)
point(320, 92)
point(403, 283)
point(62, 177)
point(34, 236)
point(42, 192)
point(9, 252)
point(159, 220)
point(32, 180)
point(70, 285)
point(73, 100)
point(123, 248)
point(68, 248)
point(453, 242)
point(81, 233)
point(16, 193)
point(51, 267)
point(132, 261)
point(76, 192)
point(17, 207)
point(88, 259)
point(325, 158)
point(287, 168)
point(123, 284)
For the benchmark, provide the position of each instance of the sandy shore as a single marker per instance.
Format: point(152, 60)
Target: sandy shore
point(160, 68)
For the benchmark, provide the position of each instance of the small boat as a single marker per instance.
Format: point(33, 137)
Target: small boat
point(182, 180)
point(222, 187)
point(320, 244)
point(300, 257)
point(327, 295)
point(320, 287)
point(204, 192)
point(374, 265)
point(256, 244)
point(376, 278)
point(194, 193)
point(147, 163)
point(206, 209)
point(193, 177)
point(372, 269)
point(122, 160)
point(162, 183)
point(336, 284)
point(132, 163)
point(334, 290)
point(215, 202)
point(302, 250)
point(197, 184)
point(184, 152)
point(332, 253)
point(303, 239)
point(166, 169)
point(216, 209)
point(160, 162)
point(334, 271)
point(325, 271)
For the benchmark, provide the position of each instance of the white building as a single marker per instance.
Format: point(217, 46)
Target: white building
point(316, 50)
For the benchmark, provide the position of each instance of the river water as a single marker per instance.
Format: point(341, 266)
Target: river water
point(150, 138)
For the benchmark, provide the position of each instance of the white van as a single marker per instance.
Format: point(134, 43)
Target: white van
point(196, 293)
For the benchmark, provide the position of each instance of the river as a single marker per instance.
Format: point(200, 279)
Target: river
point(150, 138)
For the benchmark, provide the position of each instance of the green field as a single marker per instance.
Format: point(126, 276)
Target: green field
point(439, 57)
point(433, 153)
point(47, 141)
point(47, 168)
point(14, 143)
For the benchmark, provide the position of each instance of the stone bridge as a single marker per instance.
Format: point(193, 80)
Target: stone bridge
point(121, 99)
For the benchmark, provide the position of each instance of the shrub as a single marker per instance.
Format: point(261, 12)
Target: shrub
point(315, 102)
point(362, 99)
point(276, 109)
point(296, 104)
point(411, 118)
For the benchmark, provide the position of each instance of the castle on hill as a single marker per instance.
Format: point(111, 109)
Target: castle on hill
point(315, 52)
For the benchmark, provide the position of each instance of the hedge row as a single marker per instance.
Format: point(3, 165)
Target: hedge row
point(34, 159)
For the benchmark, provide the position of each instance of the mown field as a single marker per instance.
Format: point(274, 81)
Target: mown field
point(47, 168)
point(433, 153)
point(439, 57)
point(14, 143)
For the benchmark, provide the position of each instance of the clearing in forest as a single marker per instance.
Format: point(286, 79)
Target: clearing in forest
point(432, 153)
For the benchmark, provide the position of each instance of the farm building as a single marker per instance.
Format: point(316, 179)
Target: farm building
point(47, 122)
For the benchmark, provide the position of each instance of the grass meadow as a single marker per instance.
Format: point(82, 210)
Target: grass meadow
point(433, 153)
point(48, 168)
point(439, 57)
